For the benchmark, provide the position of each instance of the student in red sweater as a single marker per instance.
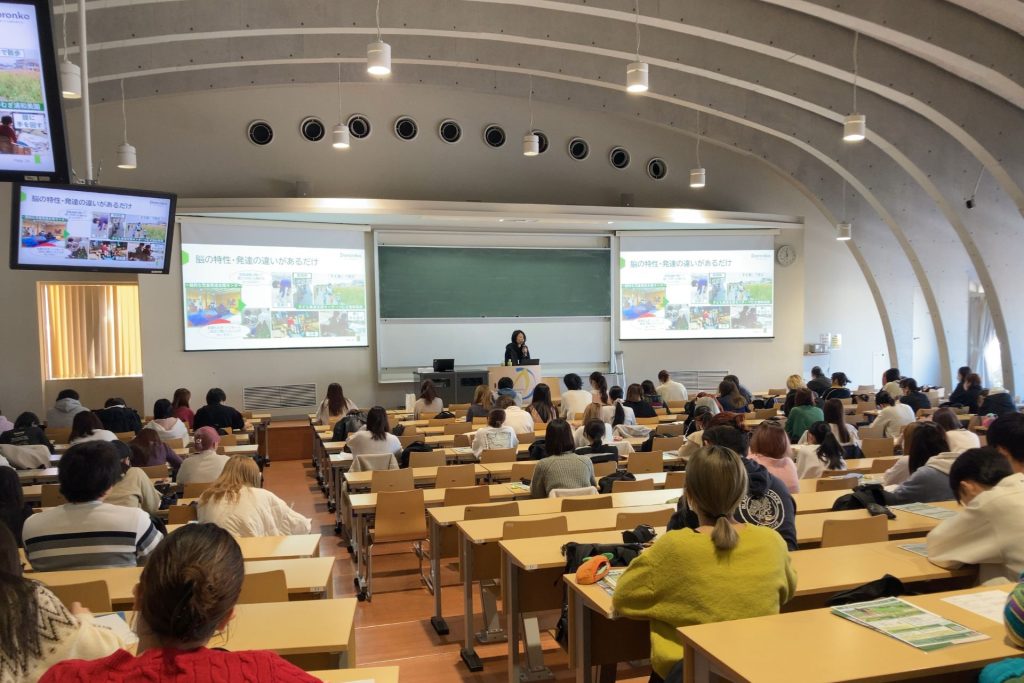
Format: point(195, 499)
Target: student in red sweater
point(186, 595)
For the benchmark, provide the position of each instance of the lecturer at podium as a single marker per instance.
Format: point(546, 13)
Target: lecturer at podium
point(516, 351)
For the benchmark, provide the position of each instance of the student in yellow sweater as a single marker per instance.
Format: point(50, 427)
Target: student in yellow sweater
point(723, 570)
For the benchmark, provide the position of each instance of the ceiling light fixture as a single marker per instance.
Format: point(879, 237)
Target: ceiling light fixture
point(855, 125)
point(126, 157)
point(339, 136)
point(636, 72)
point(698, 175)
point(70, 74)
point(378, 53)
point(531, 141)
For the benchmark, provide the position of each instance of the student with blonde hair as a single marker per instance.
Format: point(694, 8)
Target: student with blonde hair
point(483, 403)
point(592, 412)
point(793, 383)
point(720, 571)
point(237, 503)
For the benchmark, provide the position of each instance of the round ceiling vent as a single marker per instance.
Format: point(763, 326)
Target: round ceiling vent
point(311, 128)
point(618, 157)
point(543, 140)
point(494, 136)
point(260, 133)
point(450, 131)
point(358, 126)
point(657, 168)
point(579, 149)
point(406, 128)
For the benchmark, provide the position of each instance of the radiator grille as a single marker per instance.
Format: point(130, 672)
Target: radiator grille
point(699, 380)
point(282, 396)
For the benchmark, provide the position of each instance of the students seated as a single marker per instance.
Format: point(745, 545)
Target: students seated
point(562, 468)
point(599, 389)
point(134, 489)
point(1006, 435)
point(793, 382)
point(730, 398)
point(989, 528)
point(87, 427)
point(180, 407)
point(720, 570)
point(148, 449)
point(506, 387)
point(635, 402)
point(13, 508)
point(575, 398)
point(86, 532)
point(819, 451)
point(802, 415)
point(334, 405)
point(215, 414)
point(236, 503)
point(959, 439)
point(928, 462)
point(26, 432)
point(541, 409)
point(595, 433)
point(767, 501)
point(818, 383)
point(617, 413)
point(185, 596)
point(892, 416)
point(913, 396)
point(593, 412)
point(495, 435)
point(428, 404)
point(376, 437)
point(165, 424)
point(37, 629)
point(205, 465)
point(891, 382)
point(117, 417)
point(669, 389)
point(996, 401)
point(650, 394)
point(64, 410)
point(967, 391)
point(846, 434)
point(515, 417)
point(747, 396)
point(5, 424)
point(769, 445)
point(483, 403)
point(838, 387)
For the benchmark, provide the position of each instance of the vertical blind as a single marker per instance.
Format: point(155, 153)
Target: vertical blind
point(91, 330)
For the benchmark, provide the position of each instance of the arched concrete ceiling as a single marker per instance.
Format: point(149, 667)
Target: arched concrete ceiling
point(940, 82)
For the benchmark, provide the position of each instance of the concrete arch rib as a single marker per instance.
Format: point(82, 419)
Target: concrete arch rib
point(805, 147)
point(1008, 13)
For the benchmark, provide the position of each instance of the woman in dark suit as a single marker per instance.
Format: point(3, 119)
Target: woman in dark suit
point(517, 351)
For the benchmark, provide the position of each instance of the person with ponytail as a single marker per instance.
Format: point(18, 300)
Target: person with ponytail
point(599, 388)
point(593, 412)
point(820, 451)
point(720, 571)
point(617, 413)
point(594, 431)
point(186, 595)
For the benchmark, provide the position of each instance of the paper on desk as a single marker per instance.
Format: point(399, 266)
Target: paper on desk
point(916, 548)
point(518, 486)
point(908, 623)
point(610, 580)
point(926, 510)
point(115, 622)
point(988, 604)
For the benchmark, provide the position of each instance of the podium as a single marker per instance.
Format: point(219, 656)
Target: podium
point(525, 378)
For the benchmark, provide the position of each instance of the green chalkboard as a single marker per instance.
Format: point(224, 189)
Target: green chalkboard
point(459, 282)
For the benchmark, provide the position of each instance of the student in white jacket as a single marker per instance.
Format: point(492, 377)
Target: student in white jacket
point(495, 435)
point(237, 504)
point(893, 416)
point(988, 530)
point(670, 390)
point(165, 423)
point(517, 419)
point(575, 398)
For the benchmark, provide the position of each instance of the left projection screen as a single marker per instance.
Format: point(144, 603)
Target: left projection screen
point(250, 286)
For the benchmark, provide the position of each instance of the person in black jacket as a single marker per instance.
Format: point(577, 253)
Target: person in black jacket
point(217, 415)
point(516, 351)
point(819, 383)
point(968, 391)
point(635, 400)
point(913, 396)
point(767, 503)
point(117, 417)
point(997, 402)
point(26, 432)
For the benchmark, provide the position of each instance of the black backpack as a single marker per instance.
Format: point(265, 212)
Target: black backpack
point(886, 587)
point(350, 424)
point(443, 415)
point(414, 447)
point(538, 450)
point(605, 483)
point(574, 553)
point(870, 497)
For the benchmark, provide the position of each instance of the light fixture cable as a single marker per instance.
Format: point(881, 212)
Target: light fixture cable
point(637, 22)
point(341, 100)
point(124, 113)
point(529, 99)
point(856, 40)
point(698, 141)
point(379, 39)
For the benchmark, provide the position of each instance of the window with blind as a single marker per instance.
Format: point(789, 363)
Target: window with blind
point(90, 330)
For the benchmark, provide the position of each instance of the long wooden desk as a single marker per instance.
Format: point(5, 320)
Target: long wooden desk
point(423, 476)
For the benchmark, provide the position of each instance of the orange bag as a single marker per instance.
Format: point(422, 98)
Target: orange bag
point(593, 570)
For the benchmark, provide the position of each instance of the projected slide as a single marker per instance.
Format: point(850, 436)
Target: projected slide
point(263, 297)
point(696, 294)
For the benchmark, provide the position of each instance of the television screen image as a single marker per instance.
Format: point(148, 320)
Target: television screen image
point(62, 227)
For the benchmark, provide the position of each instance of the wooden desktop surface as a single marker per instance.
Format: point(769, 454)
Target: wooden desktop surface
point(369, 674)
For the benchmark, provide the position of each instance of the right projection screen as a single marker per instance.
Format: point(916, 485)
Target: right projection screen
point(700, 287)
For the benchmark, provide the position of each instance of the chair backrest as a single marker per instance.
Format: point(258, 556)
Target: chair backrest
point(871, 432)
point(407, 439)
point(526, 437)
point(670, 429)
point(388, 481)
point(837, 484)
point(878, 448)
point(644, 463)
point(156, 471)
point(51, 496)
point(263, 587)
point(58, 434)
point(765, 413)
point(467, 495)
point(427, 459)
point(440, 422)
point(555, 384)
point(496, 455)
point(534, 528)
point(675, 480)
point(125, 436)
point(671, 443)
point(372, 462)
point(458, 427)
point(648, 421)
point(229, 440)
point(522, 470)
point(631, 520)
point(882, 464)
point(587, 501)
point(400, 515)
point(463, 440)
point(175, 443)
point(458, 406)
point(778, 392)
point(195, 490)
point(854, 531)
point(92, 595)
point(479, 421)
point(181, 514)
point(449, 476)
point(491, 511)
point(603, 469)
point(676, 407)
point(622, 486)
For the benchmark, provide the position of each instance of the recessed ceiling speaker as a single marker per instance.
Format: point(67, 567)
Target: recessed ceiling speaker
point(657, 168)
point(618, 157)
point(406, 128)
point(450, 131)
point(260, 133)
point(543, 140)
point(311, 128)
point(578, 149)
point(494, 136)
point(359, 126)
